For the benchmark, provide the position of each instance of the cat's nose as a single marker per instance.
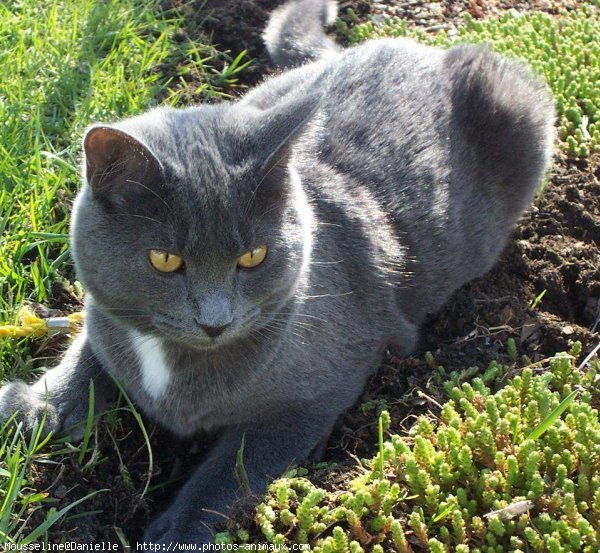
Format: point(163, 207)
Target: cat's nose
point(214, 331)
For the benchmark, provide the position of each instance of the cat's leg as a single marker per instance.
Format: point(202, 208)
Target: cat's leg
point(289, 437)
point(61, 395)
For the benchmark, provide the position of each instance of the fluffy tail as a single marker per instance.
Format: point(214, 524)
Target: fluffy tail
point(295, 33)
point(507, 116)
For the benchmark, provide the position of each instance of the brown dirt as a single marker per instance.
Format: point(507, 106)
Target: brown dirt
point(236, 25)
point(556, 249)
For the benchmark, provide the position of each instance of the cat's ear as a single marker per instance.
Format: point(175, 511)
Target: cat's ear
point(281, 127)
point(116, 162)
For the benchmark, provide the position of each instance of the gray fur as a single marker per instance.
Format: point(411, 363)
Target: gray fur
point(295, 32)
point(382, 179)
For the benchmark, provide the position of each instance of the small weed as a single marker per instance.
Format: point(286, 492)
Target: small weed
point(375, 405)
point(537, 300)
point(240, 470)
point(511, 348)
point(140, 421)
point(554, 415)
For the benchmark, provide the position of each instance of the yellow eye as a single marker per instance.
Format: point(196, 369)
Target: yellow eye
point(165, 262)
point(253, 258)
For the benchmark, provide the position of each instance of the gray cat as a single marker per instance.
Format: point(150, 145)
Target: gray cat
point(246, 263)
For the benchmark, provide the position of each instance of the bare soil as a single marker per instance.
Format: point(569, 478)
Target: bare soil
point(555, 251)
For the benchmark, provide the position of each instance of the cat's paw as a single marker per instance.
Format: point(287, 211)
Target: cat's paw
point(30, 408)
point(173, 527)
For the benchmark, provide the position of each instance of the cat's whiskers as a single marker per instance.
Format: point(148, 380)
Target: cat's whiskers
point(136, 316)
point(114, 168)
point(326, 224)
point(323, 296)
point(326, 262)
point(262, 180)
point(259, 332)
point(124, 356)
point(275, 334)
point(277, 205)
point(307, 326)
point(91, 360)
point(120, 309)
point(296, 323)
point(277, 325)
point(296, 315)
point(154, 193)
point(280, 325)
point(286, 338)
point(141, 217)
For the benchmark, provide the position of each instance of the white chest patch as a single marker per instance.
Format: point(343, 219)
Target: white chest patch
point(156, 373)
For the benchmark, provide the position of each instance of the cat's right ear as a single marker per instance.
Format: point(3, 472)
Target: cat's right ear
point(280, 127)
point(116, 163)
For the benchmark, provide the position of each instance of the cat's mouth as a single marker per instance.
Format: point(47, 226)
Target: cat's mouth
point(191, 334)
point(187, 334)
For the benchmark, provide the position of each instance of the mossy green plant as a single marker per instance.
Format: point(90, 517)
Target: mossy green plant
point(490, 475)
point(563, 49)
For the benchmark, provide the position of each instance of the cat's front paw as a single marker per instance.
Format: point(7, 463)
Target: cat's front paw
point(31, 409)
point(175, 527)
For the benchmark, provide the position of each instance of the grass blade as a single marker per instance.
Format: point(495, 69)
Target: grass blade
point(240, 470)
point(89, 424)
point(555, 414)
point(54, 516)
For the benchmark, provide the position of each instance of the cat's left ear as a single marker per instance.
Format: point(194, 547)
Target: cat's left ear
point(281, 126)
point(115, 162)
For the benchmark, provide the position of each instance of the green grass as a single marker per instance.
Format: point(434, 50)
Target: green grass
point(510, 470)
point(66, 64)
point(22, 455)
point(18, 499)
point(563, 49)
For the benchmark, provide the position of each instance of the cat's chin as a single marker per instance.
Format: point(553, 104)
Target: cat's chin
point(169, 328)
point(198, 344)
point(194, 338)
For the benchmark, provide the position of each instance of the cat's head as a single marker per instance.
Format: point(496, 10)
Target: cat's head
point(191, 223)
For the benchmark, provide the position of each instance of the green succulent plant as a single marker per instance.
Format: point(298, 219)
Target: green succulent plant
point(513, 470)
point(563, 49)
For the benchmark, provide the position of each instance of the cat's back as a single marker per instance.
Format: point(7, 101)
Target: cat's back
point(385, 115)
point(448, 146)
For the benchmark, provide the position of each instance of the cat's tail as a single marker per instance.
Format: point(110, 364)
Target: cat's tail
point(506, 114)
point(295, 33)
